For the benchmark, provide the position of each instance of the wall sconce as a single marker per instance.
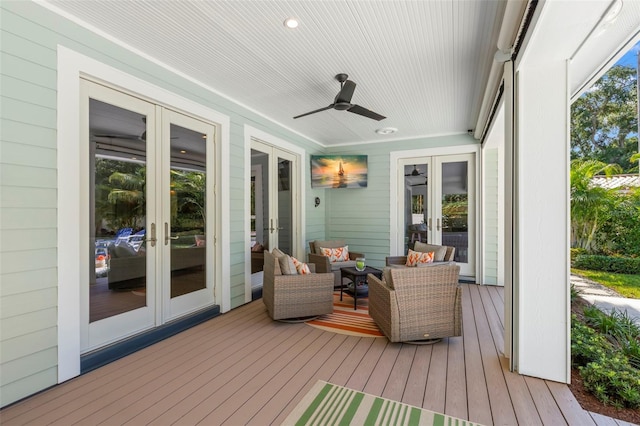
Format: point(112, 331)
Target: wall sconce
point(317, 200)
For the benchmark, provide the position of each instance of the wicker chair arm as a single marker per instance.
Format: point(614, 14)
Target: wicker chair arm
point(321, 262)
point(353, 255)
point(383, 307)
point(396, 260)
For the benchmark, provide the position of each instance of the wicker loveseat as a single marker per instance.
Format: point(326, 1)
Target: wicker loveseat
point(417, 303)
point(322, 262)
point(295, 296)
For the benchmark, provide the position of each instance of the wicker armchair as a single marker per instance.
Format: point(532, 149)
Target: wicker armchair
point(322, 262)
point(401, 260)
point(418, 303)
point(295, 296)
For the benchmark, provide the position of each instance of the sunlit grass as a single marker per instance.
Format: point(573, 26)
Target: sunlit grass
point(627, 285)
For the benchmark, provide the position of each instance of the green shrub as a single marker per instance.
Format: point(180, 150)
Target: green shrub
point(621, 265)
point(575, 252)
point(587, 344)
point(607, 356)
point(613, 381)
point(616, 323)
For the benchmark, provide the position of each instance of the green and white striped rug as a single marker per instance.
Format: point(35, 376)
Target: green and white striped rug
point(329, 404)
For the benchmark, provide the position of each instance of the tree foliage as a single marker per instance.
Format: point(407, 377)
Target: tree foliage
point(591, 205)
point(604, 121)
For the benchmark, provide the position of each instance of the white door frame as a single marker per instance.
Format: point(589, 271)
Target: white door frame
point(71, 66)
point(395, 175)
point(251, 133)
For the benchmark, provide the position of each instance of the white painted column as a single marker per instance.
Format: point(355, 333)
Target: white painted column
point(541, 299)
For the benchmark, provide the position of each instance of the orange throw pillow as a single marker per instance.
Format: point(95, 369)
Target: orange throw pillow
point(415, 257)
point(301, 268)
point(340, 254)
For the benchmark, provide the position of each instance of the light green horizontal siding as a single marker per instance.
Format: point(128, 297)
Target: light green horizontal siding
point(28, 194)
point(28, 203)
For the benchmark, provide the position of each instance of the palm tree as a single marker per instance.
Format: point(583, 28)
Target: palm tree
point(190, 189)
point(590, 204)
point(127, 193)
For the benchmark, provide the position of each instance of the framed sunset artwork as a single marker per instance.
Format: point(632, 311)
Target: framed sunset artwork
point(339, 171)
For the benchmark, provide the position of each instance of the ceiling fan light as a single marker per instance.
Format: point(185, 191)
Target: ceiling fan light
point(386, 130)
point(291, 23)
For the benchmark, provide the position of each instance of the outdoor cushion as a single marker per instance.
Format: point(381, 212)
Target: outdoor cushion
point(416, 257)
point(438, 251)
point(338, 254)
point(287, 267)
point(328, 244)
point(335, 266)
point(277, 252)
point(427, 265)
point(301, 267)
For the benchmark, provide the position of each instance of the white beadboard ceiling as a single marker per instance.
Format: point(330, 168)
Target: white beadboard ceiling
point(422, 64)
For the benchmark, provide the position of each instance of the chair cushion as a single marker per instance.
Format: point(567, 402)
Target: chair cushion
point(287, 267)
point(278, 253)
point(328, 244)
point(335, 266)
point(427, 265)
point(338, 254)
point(439, 252)
point(416, 257)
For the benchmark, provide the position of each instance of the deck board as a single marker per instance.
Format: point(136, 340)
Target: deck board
point(243, 368)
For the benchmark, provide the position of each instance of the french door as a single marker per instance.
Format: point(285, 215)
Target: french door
point(274, 211)
point(150, 214)
point(439, 205)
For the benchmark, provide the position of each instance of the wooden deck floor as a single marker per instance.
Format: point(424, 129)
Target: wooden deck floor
point(243, 368)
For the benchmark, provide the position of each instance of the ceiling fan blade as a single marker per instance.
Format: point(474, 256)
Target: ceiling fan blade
point(357, 109)
point(313, 112)
point(346, 93)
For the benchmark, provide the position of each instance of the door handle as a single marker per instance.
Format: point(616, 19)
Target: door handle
point(438, 224)
point(168, 236)
point(278, 227)
point(429, 224)
point(153, 238)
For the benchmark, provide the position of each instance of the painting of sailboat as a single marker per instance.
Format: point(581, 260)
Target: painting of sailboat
point(339, 171)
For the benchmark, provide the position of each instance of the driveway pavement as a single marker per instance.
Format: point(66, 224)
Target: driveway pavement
point(605, 298)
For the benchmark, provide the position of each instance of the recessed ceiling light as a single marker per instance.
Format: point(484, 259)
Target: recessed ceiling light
point(291, 23)
point(386, 130)
point(182, 151)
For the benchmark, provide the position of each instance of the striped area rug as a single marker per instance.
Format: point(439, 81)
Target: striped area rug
point(329, 404)
point(346, 320)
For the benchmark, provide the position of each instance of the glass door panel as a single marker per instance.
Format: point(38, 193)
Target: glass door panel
point(416, 212)
point(273, 209)
point(285, 206)
point(119, 298)
point(455, 208)
point(260, 236)
point(188, 210)
point(118, 266)
point(438, 205)
point(188, 200)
